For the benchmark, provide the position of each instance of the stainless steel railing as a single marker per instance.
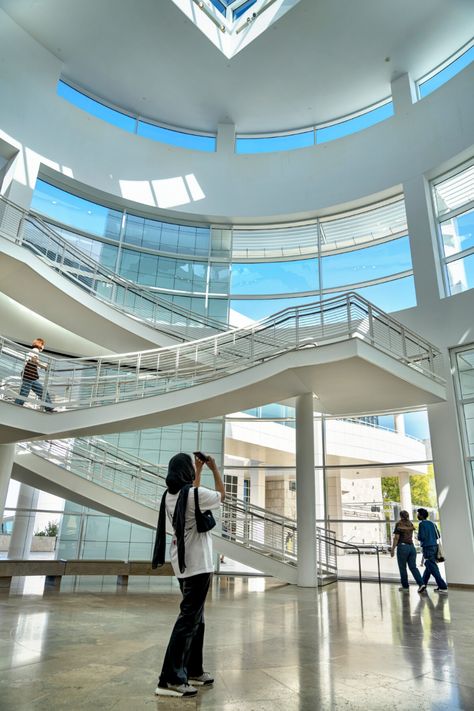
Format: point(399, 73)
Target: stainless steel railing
point(90, 382)
point(242, 523)
point(30, 231)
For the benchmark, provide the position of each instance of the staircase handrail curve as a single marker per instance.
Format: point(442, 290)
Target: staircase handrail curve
point(105, 273)
point(155, 371)
point(36, 219)
point(112, 276)
point(234, 512)
point(229, 514)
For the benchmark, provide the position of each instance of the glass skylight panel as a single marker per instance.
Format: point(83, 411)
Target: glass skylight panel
point(270, 144)
point(444, 75)
point(174, 137)
point(354, 124)
point(95, 108)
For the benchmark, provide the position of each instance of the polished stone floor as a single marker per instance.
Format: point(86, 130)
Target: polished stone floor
point(272, 647)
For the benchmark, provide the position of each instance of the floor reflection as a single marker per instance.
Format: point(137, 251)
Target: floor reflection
point(271, 647)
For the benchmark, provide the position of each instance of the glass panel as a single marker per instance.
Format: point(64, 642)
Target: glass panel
point(468, 410)
point(366, 264)
point(447, 73)
point(176, 138)
point(245, 310)
point(352, 125)
point(274, 278)
point(460, 275)
point(91, 106)
point(270, 144)
point(454, 192)
point(219, 278)
point(458, 233)
point(465, 365)
point(71, 210)
point(391, 295)
point(239, 11)
point(363, 226)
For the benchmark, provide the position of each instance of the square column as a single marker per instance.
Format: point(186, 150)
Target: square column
point(306, 492)
point(7, 455)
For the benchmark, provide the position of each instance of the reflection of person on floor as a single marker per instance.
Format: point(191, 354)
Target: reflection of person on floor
point(406, 552)
point(30, 376)
point(428, 536)
point(192, 561)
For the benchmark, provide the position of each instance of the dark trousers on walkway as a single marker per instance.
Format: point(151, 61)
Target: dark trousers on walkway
point(406, 555)
point(35, 385)
point(183, 656)
point(431, 567)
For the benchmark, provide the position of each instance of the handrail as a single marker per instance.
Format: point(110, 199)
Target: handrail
point(32, 232)
point(90, 382)
point(242, 523)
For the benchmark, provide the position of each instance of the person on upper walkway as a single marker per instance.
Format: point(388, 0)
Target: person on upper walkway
point(30, 376)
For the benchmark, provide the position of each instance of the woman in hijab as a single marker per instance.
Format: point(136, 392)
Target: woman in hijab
point(192, 561)
point(406, 552)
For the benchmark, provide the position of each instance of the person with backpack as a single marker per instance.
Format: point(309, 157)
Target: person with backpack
point(428, 536)
point(188, 506)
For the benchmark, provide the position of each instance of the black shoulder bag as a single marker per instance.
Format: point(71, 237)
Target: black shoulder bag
point(204, 519)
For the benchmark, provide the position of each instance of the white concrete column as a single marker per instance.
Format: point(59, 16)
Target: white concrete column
point(399, 424)
point(405, 492)
point(7, 455)
point(403, 93)
point(306, 492)
point(423, 246)
point(456, 515)
point(23, 526)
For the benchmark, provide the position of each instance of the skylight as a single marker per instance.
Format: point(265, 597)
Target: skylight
point(232, 24)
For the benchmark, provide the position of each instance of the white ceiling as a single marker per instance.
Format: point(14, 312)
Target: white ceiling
point(321, 60)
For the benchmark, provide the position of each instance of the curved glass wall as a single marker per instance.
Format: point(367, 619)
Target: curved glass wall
point(256, 271)
point(453, 199)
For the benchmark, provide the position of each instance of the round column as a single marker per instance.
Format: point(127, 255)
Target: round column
point(24, 524)
point(7, 455)
point(306, 492)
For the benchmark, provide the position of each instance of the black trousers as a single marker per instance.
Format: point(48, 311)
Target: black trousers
point(183, 656)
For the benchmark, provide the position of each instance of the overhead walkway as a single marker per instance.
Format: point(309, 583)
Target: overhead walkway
point(355, 359)
point(95, 474)
point(43, 270)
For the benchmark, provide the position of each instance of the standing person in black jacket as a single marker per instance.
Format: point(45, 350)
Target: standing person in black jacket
point(191, 558)
point(30, 376)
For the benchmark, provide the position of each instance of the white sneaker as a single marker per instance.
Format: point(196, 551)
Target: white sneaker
point(204, 680)
point(441, 591)
point(422, 588)
point(176, 690)
point(404, 589)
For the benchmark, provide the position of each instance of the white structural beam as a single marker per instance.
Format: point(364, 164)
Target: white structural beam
point(306, 492)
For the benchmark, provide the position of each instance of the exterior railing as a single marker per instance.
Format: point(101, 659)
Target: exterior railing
point(90, 382)
point(243, 523)
point(30, 231)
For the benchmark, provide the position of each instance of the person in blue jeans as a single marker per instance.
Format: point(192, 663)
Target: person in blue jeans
point(428, 536)
point(406, 552)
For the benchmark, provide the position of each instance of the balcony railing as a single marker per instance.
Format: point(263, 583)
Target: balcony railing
point(90, 382)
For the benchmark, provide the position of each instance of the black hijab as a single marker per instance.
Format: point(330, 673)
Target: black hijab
point(179, 480)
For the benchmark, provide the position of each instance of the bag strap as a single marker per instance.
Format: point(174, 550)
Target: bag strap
point(197, 509)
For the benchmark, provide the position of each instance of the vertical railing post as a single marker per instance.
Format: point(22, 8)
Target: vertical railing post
point(349, 314)
point(371, 323)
